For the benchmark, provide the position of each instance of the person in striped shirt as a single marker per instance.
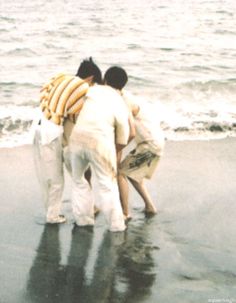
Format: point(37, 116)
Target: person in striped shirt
point(61, 99)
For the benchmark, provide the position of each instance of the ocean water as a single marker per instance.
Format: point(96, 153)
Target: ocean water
point(177, 53)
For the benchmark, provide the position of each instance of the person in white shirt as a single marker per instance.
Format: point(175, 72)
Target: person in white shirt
point(103, 125)
point(141, 162)
point(62, 97)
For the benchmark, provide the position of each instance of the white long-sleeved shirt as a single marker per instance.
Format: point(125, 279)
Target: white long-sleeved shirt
point(102, 123)
point(147, 123)
point(104, 116)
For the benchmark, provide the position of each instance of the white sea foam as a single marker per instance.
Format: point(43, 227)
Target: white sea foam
point(178, 53)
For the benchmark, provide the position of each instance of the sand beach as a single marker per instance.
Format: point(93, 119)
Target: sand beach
point(184, 254)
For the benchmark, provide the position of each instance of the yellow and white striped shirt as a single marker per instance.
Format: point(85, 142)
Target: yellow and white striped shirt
point(62, 96)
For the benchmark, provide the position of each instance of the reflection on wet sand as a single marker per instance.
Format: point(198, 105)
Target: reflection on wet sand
point(75, 289)
point(123, 271)
point(136, 263)
point(46, 276)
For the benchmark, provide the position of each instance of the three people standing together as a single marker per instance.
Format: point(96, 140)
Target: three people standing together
point(105, 120)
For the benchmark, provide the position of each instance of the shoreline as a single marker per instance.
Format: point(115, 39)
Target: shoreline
point(175, 137)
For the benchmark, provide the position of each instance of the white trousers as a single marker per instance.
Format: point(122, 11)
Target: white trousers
point(82, 197)
point(49, 168)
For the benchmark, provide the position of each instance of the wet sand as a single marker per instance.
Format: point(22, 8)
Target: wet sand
point(187, 253)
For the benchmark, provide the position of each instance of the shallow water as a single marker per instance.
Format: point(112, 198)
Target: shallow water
point(178, 53)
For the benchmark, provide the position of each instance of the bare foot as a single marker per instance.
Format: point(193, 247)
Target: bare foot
point(127, 218)
point(151, 210)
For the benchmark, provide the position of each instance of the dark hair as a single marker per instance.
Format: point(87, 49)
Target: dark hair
point(116, 77)
point(88, 68)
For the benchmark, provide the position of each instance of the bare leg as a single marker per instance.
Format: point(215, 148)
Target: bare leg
point(142, 190)
point(124, 194)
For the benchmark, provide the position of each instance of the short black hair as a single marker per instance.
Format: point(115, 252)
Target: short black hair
point(88, 68)
point(116, 77)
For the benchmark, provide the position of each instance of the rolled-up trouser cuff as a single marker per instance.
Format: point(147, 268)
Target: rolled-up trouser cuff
point(117, 222)
point(84, 220)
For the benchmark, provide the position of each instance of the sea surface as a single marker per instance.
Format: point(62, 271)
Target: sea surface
point(177, 53)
